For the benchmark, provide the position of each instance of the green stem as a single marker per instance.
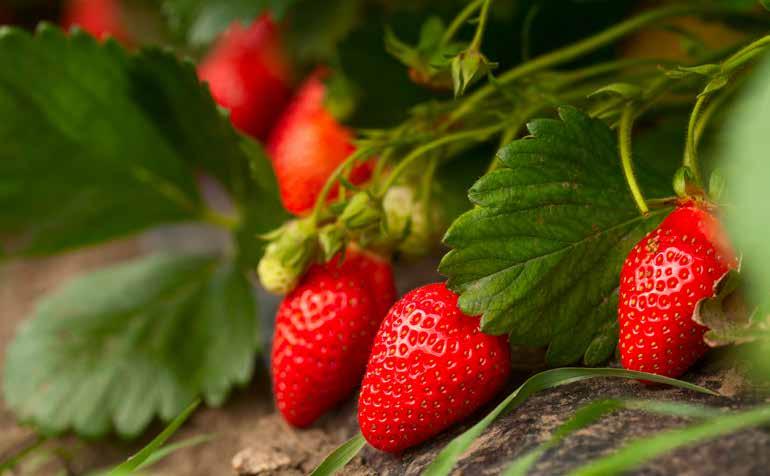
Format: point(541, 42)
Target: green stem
point(220, 220)
point(713, 106)
point(583, 47)
point(563, 79)
point(476, 43)
point(327, 188)
point(624, 138)
point(382, 162)
point(746, 54)
point(419, 151)
point(696, 123)
point(459, 20)
point(691, 145)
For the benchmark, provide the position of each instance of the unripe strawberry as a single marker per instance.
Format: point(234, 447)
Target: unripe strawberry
point(407, 222)
point(307, 145)
point(248, 74)
point(361, 212)
point(430, 367)
point(287, 257)
point(100, 18)
point(323, 334)
point(663, 278)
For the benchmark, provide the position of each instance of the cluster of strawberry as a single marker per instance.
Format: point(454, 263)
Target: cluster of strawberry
point(425, 364)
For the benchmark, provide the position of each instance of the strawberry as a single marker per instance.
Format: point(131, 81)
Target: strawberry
point(324, 331)
point(430, 367)
point(664, 276)
point(307, 145)
point(100, 18)
point(248, 74)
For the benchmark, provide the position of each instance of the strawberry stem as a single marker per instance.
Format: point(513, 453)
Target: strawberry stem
point(624, 139)
point(476, 43)
point(583, 47)
point(699, 118)
point(459, 20)
point(327, 188)
point(477, 134)
point(220, 220)
point(690, 150)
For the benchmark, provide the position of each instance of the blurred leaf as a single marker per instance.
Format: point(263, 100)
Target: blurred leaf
point(640, 451)
point(116, 347)
point(540, 255)
point(747, 173)
point(139, 459)
point(447, 458)
point(744, 159)
point(315, 29)
point(341, 456)
point(201, 21)
point(99, 143)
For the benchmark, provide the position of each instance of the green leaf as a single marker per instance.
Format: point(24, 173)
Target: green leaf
point(623, 90)
point(139, 459)
point(114, 348)
point(594, 411)
point(99, 143)
point(340, 457)
point(448, 457)
point(640, 451)
point(261, 205)
point(540, 256)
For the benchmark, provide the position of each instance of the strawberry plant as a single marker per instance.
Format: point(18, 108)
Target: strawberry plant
point(586, 201)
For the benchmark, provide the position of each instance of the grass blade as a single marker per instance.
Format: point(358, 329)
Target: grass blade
point(11, 461)
point(169, 449)
point(447, 458)
point(134, 462)
point(338, 458)
point(640, 451)
point(596, 410)
point(581, 419)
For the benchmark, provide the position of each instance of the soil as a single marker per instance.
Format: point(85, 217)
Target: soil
point(249, 438)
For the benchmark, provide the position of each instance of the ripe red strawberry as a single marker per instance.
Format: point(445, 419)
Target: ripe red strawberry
point(663, 278)
point(430, 367)
point(100, 18)
point(323, 334)
point(248, 74)
point(379, 276)
point(307, 145)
